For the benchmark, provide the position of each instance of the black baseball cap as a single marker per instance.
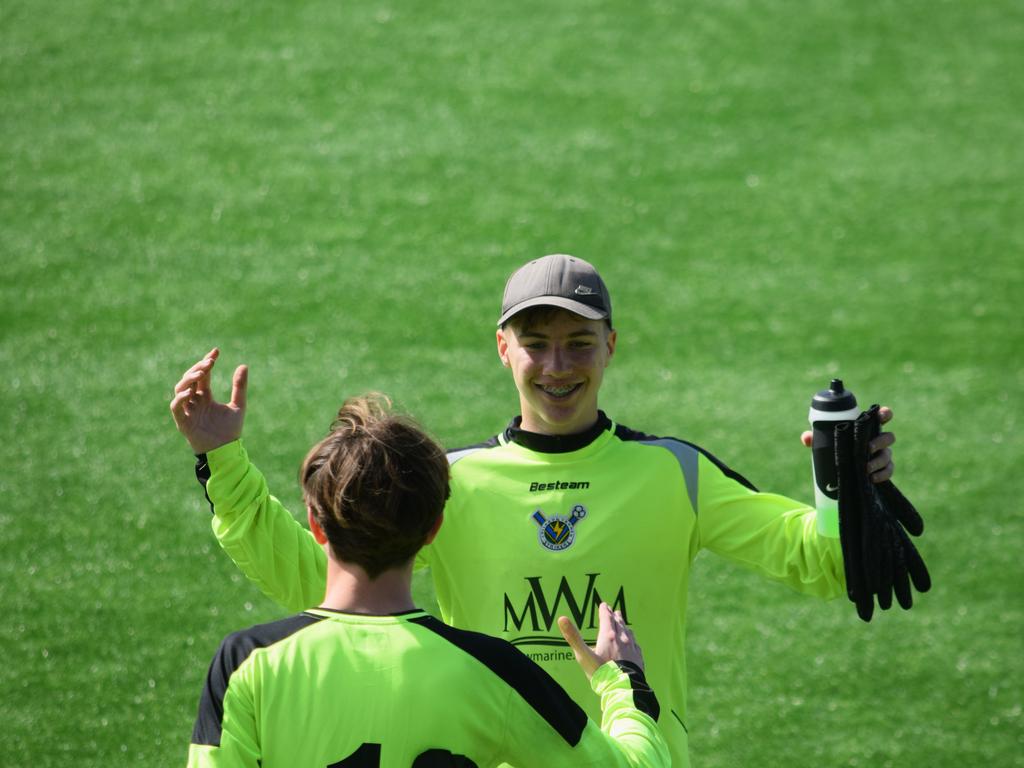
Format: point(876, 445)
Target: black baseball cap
point(557, 280)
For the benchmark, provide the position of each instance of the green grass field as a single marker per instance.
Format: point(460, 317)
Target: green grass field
point(334, 193)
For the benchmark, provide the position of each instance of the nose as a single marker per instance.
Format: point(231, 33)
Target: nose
point(556, 361)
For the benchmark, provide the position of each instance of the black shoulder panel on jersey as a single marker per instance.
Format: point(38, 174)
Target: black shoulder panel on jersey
point(627, 434)
point(536, 686)
point(203, 475)
point(233, 651)
point(643, 696)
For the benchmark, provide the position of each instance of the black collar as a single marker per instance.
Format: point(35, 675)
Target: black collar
point(556, 443)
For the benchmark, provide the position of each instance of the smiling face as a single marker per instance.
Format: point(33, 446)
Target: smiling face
point(557, 360)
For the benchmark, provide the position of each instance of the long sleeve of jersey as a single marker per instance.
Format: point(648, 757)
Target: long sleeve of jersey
point(634, 733)
point(768, 533)
point(626, 738)
point(269, 546)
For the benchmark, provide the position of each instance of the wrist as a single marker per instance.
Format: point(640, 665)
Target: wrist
point(225, 453)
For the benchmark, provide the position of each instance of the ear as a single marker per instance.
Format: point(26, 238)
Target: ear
point(610, 341)
point(502, 347)
point(433, 531)
point(314, 526)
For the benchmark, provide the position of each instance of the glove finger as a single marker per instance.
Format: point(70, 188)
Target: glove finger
point(849, 539)
point(919, 573)
point(869, 548)
point(901, 581)
point(864, 430)
point(865, 606)
point(850, 528)
point(900, 508)
point(915, 565)
point(876, 536)
point(885, 573)
point(885, 596)
point(873, 520)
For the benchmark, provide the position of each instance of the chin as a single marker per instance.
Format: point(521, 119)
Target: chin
point(565, 425)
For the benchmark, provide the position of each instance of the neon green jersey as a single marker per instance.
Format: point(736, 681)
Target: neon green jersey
point(325, 689)
point(539, 526)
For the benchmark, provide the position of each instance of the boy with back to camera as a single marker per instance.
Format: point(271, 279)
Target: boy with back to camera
point(367, 679)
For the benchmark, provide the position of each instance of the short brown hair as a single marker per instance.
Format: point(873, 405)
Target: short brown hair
point(376, 484)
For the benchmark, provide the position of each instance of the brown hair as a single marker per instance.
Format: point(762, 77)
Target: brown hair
point(376, 484)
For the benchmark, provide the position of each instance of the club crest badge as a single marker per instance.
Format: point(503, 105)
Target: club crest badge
point(558, 532)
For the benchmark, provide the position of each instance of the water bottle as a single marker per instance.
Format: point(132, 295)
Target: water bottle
point(827, 407)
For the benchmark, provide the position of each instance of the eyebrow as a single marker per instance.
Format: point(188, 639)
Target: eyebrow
point(539, 335)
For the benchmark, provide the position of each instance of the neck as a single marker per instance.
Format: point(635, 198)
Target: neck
point(349, 589)
point(537, 441)
point(538, 427)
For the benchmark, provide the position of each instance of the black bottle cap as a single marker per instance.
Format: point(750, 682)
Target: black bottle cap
point(835, 398)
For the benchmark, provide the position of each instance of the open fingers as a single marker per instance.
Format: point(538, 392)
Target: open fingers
point(239, 387)
point(188, 382)
point(571, 634)
point(205, 370)
point(607, 627)
point(180, 399)
point(614, 627)
point(619, 642)
point(206, 362)
point(618, 625)
point(179, 406)
point(586, 657)
point(196, 378)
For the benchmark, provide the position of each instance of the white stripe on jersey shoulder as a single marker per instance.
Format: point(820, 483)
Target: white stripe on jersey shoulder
point(463, 453)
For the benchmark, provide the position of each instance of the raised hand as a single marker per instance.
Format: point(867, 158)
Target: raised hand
point(615, 641)
point(206, 423)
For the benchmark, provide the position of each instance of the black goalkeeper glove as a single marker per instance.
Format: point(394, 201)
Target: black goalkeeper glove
point(879, 558)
